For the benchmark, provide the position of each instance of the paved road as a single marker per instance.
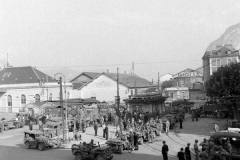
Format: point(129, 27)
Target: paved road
point(11, 144)
point(12, 148)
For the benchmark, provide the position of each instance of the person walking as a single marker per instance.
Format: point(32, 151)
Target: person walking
point(95, 126)
point(180, 155)
point(196, 150)
point(188, 152)
point(165, 151)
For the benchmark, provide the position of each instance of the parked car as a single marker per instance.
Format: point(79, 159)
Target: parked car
point(221, 137)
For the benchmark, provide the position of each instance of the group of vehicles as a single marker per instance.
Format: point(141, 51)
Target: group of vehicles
point(10, 124)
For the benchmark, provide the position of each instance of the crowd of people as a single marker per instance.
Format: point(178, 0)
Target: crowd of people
point(141, 129)
point(209, 151)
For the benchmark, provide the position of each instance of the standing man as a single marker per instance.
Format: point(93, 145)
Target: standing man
point(196, 149)
point(188, 152)
point(181, 121)
point(193, 116)
point(181, 155)
point(104, 130)
point(83, 126)
point(160, 126)
point(167, 126)
point(165, 151)
point(216, 127)
point(95, 126)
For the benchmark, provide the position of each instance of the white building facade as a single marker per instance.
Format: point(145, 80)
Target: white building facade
point(105, 89)
point(104, 86)
point(20, 86)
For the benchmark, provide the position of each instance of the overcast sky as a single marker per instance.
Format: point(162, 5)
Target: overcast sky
point(163, 36)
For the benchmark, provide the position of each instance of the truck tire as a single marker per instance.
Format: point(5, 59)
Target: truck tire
point(100, 157)
point(120, 149)
point(27, 144)
point(41, 146)
point(78, 156)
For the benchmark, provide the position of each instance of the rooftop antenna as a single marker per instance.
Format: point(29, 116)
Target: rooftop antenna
point(132, 68)
point(7, 61)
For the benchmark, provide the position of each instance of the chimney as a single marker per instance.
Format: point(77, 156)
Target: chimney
point(94, 98)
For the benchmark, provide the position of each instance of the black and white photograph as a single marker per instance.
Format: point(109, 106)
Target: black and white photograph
point(119, 80)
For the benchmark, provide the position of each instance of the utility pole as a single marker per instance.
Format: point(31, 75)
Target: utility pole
point(158, 83)
point(61, 105)
point(118, 104)
point(66, 109)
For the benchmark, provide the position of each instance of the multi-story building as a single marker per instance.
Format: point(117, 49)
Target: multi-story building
point(176, 93)
point(188, 77)
point(221, 56)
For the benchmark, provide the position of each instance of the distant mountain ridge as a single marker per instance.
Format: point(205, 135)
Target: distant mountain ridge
point(230, 36)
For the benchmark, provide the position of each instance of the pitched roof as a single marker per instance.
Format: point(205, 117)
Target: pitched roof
point(20, 75)
point(222, 51)
point(128, 80)
point(90, 75)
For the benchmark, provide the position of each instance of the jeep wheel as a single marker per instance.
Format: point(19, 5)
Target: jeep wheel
point(78, 156)
point(120, 149)
point(27, 144)
point(41, 146)
point(100, 157)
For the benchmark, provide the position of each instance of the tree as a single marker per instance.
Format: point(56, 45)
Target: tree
point(167, 84)
point(224, 86)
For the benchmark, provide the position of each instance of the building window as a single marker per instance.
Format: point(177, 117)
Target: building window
point(23, 99)
point(216, 62)
point(37, 98)
point(50, 97)
point(181, 83)
point(9, 100)
point(183, 95)
point(231, 60)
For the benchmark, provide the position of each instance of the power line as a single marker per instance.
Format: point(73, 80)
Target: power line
point(116, 64)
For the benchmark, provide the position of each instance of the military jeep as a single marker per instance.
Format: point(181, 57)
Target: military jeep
point(84, 151)
point(37, 140)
